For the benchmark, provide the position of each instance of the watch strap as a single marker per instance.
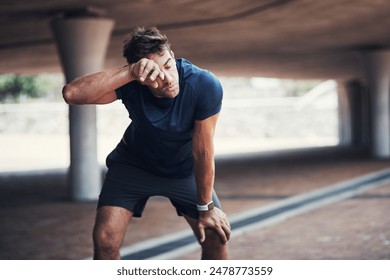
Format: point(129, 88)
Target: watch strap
point(206, 207)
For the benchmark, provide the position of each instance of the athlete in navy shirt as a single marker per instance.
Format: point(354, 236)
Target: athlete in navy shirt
point(167, 149)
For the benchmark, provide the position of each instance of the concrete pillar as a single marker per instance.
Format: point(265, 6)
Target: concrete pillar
point(82, 43)
point(377, 68)
point(354, 129)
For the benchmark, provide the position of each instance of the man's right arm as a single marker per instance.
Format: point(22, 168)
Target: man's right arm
point(97, 88)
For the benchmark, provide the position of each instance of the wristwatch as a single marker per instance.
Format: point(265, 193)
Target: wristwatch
point(206, 207)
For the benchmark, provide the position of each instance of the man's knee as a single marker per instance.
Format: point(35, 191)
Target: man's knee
point(105, 245)
point(104, 238)
point(213, 248)
point(212, 241)
point(109, 230)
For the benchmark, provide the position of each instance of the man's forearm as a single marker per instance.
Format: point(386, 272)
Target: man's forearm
point(203, 154)
point(93, 88)
point(204, 169)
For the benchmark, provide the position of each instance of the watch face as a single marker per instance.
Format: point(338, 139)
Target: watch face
point(211, 206)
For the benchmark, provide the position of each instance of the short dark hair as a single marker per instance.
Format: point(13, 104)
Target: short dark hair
point(144, 41)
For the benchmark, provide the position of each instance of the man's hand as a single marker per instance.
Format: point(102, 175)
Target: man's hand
point(215, 220)
point(147, 72)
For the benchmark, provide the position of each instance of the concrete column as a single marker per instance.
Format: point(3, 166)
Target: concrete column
point(377, 67)
point(354, 115)
point(82, 43)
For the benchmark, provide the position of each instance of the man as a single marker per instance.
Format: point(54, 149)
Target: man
point(167, 149)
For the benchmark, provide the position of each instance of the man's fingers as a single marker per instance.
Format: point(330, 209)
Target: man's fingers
point(144, 67)
point(141, 69)
point(147, 72)
point(202, 234)
point(222, 234)
point(150, 71)
point(161, 75)
point(154, 73)
point(227, 230)
point(154, 84)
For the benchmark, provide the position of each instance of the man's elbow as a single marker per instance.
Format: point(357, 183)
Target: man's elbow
point(69, 94)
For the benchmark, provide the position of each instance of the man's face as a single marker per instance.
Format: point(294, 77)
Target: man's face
point(169, 87)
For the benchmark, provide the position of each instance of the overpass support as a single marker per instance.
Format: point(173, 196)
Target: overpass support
point(377, 68)
point(82, 43)
point(354, 114)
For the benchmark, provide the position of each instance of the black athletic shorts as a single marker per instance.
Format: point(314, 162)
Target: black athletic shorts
point(130, 187)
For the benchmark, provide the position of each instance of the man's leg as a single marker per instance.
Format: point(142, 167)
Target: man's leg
point(110, 228)
point(212, 247)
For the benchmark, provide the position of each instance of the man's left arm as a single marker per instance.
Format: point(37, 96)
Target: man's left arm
point(204, 168)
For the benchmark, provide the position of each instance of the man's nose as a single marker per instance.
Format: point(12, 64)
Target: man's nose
point(168, 79)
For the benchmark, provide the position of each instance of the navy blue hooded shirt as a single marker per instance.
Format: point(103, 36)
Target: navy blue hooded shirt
point(159, 137)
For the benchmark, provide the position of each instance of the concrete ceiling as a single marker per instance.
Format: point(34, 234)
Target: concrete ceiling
point(285, 38)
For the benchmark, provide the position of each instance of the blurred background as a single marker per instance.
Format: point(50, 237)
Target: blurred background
point(259, 114)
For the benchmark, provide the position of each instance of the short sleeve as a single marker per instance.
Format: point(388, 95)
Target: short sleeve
point(210, 94)
point(119, 92)
point(124, 91)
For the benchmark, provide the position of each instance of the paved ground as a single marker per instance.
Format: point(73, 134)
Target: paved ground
point(355, 229)
point(38, 222)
